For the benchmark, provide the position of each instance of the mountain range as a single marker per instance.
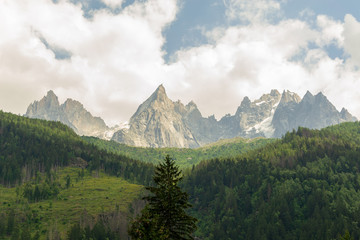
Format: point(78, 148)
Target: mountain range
point(161, 122)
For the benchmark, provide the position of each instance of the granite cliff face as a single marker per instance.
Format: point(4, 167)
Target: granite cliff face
point(71, 113)
point(160, 122)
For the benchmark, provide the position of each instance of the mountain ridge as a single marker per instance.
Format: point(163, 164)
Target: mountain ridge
point(161, 122)
point(72, 113)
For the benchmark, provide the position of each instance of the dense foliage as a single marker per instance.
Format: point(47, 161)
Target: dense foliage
point(184, 157)
point(28, 146)
point(91, 199)
point(304, 186)
point(164, 216)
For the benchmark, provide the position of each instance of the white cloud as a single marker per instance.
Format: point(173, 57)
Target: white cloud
point(252, 60)
point(332, 31)
point(113, 3)
point(117, 59)
point(352, 39)
point(252, 10)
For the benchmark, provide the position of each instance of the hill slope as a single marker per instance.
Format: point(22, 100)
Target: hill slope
point(50, 179)
point(28, 146)
point(85, 199)
point(304, 186)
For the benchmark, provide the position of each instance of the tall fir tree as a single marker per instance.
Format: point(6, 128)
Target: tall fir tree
point(164, 216)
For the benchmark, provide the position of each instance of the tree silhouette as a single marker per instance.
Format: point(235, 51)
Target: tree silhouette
point(164, 216)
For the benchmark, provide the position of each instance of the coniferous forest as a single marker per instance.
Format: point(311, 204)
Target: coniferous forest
point(302, 186)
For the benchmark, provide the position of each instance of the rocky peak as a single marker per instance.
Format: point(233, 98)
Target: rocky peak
point(48, 105)
point(157, 101)
point(159, 94)
point(274, 93)
point(288, 96)
point(245, 104)
point(51, 99)
point(308, 98)
point(271, 98)
point(346, 116)
point(320, 96)
point(71, 113)
point(72, 105)
point(158, 122)
point(191, 106)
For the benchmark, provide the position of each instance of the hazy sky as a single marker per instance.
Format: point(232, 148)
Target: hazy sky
point(112, 54)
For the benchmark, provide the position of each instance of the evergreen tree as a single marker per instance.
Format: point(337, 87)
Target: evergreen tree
point(164, 216)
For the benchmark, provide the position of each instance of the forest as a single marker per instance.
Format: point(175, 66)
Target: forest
point(302, 186)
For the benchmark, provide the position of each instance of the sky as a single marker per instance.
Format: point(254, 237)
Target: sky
point(112, 54)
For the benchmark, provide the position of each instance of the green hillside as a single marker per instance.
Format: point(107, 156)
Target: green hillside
point(304, 186)
point(85, 198)
point(185, 157)
point(28, 146)
point(51, 179)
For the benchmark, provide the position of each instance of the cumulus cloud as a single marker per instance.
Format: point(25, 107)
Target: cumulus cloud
point(115, 60)
point(253, 59)
point(352, 38)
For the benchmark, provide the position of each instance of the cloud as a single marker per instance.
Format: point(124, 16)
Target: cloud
point(250, 11)
point(113, 3)
point(253, 59)
point(352, 39)
point(115, 60)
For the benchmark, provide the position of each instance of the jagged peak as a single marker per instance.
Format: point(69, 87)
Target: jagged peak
point(344, 113)
point(308, 94)
point(191, 105)
point(160, 89)
point(274, 93)
point(50, 100)
point(344, 110)
point(320, 95)
point(245, 102)
point(159, 94)
point(73, 104)
point(51, 93)
point(308, 97)
point(288, 96)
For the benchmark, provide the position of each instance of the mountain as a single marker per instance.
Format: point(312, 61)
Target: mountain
point(72, 113)
point(313, 112)
point(160, 122)
point(252, 119)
